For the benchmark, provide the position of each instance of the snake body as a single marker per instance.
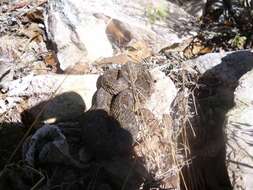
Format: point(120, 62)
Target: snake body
point(121, 92)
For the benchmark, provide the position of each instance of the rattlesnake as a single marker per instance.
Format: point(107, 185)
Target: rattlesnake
point(120, 92)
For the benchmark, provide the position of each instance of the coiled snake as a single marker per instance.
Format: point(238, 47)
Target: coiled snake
point(121, 92)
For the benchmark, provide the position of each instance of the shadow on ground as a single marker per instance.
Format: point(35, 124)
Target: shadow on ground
point(91, 151)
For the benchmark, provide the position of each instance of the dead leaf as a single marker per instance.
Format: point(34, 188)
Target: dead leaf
point(35, 15)
point(134, 52)
point(177, 47)
point(117, 33)
point(117, 59)
point(138, 51)
point(195, 48)
point(78, 69)
point(33, 32)
point(50, 61)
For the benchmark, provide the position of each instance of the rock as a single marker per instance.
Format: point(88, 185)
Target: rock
point(48, 144)
point(86, 31)
point(224, 97)
point(163, 94)
point(6, 71)
point(193, 7)
point(61, 97)
point(73, 31)
point(239, 128)
point(228, 67)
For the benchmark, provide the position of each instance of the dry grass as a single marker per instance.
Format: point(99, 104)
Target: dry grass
point(164, 145)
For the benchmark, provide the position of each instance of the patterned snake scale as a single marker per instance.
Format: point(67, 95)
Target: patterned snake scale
point(121, 92)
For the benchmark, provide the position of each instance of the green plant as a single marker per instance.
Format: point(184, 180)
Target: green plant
point(238, 41)
point(156, 13)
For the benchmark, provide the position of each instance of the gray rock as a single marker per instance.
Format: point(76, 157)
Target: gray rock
point(79, 29)
point(50, 145)
point(6, 71)
point(229, 79)
point(227, 66)
point(193, 7)
point(239, 128)
point(53, 97)
point(163, 94)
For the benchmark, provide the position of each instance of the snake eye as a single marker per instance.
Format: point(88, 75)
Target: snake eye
point(155, 81)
